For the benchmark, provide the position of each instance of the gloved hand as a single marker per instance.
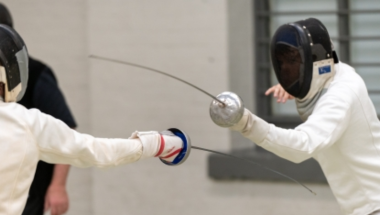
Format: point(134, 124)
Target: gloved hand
point(170, 146)
point(164, 145)
point(251, 127)
point(243, 123)
point(234, 116)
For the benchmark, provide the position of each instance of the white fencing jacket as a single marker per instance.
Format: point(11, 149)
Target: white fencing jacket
point(27, 136)
point(342, 134)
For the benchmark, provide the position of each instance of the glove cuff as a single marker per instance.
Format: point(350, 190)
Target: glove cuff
point(170, 146)
point(242, 124)
point(252, 127)
point(150, 141)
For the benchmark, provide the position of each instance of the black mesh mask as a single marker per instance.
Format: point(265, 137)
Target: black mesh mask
point(294, 48)
point(14, 59)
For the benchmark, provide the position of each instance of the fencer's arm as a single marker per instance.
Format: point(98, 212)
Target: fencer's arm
point(327, 123)
point(57, 143)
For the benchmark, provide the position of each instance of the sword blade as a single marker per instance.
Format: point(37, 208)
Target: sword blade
point(157, 71)
point(256, 164)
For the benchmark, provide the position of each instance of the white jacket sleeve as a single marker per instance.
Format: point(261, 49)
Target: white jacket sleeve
point(324, 127)
point(57, 143)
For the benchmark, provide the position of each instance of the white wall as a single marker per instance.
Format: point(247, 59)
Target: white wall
point(188, 39)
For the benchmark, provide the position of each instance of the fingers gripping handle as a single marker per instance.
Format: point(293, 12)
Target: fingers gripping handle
point(184, 153)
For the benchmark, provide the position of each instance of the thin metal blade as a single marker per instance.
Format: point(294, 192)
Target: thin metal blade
point(254, 163)
point(158, 71)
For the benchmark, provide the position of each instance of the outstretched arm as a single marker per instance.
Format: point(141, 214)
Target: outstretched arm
point(323, 128)
point(327, 123)
point(60, 144)
point(57, 143)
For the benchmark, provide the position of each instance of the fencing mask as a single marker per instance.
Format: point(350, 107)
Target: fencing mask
point(295, 47)
point(13, 64)
point(5, 16)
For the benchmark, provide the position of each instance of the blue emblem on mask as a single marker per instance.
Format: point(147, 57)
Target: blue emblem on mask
point(324, 69)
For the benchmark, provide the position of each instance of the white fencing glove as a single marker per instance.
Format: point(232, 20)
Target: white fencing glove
point(243, 122)
point(252, 127)
point(170, 146)
point(164, 145)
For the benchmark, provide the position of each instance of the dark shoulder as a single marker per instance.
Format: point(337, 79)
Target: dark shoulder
point(37, 67)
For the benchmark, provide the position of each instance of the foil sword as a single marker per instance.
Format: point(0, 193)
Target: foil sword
point(216, 99)
point(256, 164)
point(157, 71)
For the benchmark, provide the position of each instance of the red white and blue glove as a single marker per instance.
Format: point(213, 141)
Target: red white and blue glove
point(171, 148)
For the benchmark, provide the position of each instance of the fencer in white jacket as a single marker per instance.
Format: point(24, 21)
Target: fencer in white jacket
point(27, 136)
point(342, 134)
point(341, 129)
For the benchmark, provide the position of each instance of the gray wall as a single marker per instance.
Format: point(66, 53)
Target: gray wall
point(206, 42)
